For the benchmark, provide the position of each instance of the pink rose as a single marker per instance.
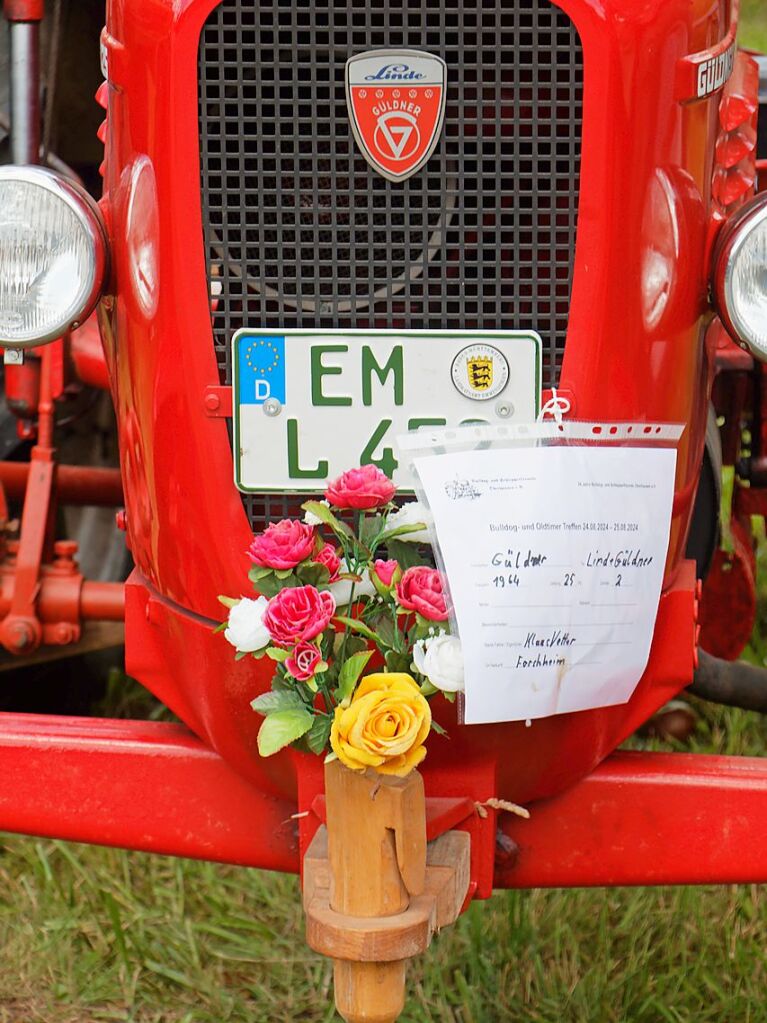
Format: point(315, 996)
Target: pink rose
point(420, 589)
point(384, 575)
point(282, 545)
point(328, 557)
point(366, 487)
point(298, 613)
point(303, 662)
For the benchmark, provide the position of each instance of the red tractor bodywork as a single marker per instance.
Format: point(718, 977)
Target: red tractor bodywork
point(661, 171)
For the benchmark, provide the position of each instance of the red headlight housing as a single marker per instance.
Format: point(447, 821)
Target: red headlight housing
point(740, 276)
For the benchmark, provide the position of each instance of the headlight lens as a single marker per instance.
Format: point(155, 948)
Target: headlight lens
point(53, 256)
point(741, 276)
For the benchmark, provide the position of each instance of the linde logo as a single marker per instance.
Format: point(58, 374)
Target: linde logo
point(394, 73)
point(396, 103)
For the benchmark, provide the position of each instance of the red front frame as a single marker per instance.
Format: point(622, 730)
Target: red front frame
point(188, 531)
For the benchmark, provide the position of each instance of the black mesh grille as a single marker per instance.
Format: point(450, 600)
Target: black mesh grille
point(301, 232)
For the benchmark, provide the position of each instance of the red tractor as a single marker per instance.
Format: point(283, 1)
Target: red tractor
point(594, 178)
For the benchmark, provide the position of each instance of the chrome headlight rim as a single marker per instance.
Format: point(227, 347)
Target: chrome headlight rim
point(90, 220)
point(734, 235)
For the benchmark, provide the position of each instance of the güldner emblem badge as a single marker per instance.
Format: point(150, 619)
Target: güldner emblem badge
point(396, 101)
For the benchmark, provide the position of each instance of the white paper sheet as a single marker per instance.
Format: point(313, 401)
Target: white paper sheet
point(555, 558)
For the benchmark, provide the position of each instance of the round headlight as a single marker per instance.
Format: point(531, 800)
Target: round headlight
point(53, 256)
point(740, 276)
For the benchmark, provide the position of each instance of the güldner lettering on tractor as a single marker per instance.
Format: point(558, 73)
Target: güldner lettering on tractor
point(251, 295)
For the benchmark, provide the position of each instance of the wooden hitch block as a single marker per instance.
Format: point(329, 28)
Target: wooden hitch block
point(374, 892)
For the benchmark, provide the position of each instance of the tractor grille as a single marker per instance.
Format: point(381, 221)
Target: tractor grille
point(301, 232)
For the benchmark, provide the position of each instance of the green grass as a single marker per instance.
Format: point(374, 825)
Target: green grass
point(753, 30)
point(95, 935)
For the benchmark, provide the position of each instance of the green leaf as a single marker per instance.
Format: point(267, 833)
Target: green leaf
point(407, 555)
point(284, 573)
point(282, 683)
point(269, 585)
point(361, 628)
point(350, 671)
point(240, 654)
point(271, 703)
point(435, 727)
point(275, 653)
point(390, 534)
point(318, 735)
point(258, 572)
point(396, 661)
point(311, 574)
point(220, 628)
point(369, 528)
point(229, 602)
point(427, 689)
point(324, 514)
point(281, 728)
point(383, 626)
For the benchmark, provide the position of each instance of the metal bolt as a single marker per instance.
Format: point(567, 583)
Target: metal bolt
point(212, 402)
point(504, 409)
point(272, 407)
point(65, 549)
point(64, 633)
point(20, 636)
point(13, 357)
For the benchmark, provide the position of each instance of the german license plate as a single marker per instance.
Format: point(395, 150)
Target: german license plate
point(310, 404)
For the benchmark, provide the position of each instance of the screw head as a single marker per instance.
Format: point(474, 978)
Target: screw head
point(20, 636)
point(64, 633)
point(272, 407)
point(504, 409)
point(212, 402)
point(65, 549)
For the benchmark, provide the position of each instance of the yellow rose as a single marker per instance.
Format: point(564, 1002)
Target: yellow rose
point(384, 726)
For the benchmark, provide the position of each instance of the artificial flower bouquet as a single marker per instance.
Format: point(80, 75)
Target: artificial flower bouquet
point(328, 605)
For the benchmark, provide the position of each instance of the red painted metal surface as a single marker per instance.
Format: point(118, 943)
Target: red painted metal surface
point(177, 656)
point(645, 819)
point(23, 10)
point(728, 606)
point(703, 72)
point(646, 187)
point(638, 819)
point(87, 354)
point(137, 785)
point(75, 484)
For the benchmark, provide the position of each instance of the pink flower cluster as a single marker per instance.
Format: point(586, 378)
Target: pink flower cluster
point(363, 488)
point(282, 545)
point(294, 618)
point(420, 589)
point(298, 614)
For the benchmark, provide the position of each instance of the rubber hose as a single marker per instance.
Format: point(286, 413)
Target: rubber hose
point(733, 683)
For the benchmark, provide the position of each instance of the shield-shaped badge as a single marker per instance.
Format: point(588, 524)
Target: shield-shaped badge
point(480, 372)
point(396, 101)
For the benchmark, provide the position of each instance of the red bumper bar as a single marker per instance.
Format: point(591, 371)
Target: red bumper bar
point(647, 819)
point(639, 819)
point(136, 785)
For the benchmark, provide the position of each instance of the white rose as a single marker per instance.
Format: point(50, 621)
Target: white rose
point(246, 630)
point(314, 520)
point(342, 590)
point(408, 515)
point(440, 659)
